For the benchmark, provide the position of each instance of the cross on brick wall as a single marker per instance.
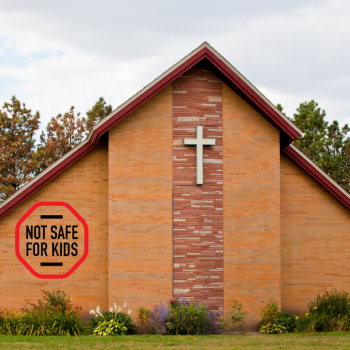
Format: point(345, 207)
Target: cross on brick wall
point(199, 142)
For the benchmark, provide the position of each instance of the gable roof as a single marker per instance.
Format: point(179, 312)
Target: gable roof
point(218, 64)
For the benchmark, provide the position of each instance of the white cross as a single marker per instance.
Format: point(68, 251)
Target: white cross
point(199, 142)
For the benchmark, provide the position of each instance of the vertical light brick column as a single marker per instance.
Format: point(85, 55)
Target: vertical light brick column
point(198, 210)
point(139, 224)
point(252, 220)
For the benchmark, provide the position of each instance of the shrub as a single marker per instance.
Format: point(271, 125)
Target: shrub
point(333, 303)
point(269, 313)
point(342, 323)
point(237, 318)
point(307, 323)
point(56, 298)
point(53, 314)
point(43, 321)
point(8, 322)
point(159, 317)
point(190, 318)
point(143, 316)
point(274, 328)
point(286, 320)
point(269, 319)
point(111, 327)
point(321, 322)
point(116, 315)
point(328, 312)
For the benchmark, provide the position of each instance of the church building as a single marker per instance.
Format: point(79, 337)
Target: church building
point(191, 188)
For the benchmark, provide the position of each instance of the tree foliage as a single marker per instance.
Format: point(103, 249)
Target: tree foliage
point(63, 133)
point(21, 158)
point(99, 111)
point(327, 145)
point(18, 156)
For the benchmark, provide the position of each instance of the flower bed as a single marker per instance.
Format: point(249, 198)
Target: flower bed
point(54, 314)
point(44, 318)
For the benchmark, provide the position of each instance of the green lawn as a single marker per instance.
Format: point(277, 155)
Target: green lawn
point(336, 340)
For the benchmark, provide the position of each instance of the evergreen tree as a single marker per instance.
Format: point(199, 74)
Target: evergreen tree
point(327, 145)
point(99, 111)
point(310, 120)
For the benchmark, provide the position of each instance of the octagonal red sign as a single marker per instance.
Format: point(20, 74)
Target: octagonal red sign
point(52, 240)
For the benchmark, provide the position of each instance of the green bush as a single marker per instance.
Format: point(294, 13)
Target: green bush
point(318, 322)
point(143, 320)
point(56, 298)
point(274, 328)
point(333, 303)
point(286, 320)
point(110, 327)
point(269, 319)
point(190, 318)
point(269, 313)
point(237, 318)
point(42, 321)
point(123, 319)
point(328, 312)
point(52, 315)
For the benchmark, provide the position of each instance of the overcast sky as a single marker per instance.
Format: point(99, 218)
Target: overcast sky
point(55, 54)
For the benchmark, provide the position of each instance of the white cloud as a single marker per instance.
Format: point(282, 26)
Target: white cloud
point(58, 54)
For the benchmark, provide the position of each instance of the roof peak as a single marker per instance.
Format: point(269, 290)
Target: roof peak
point(218, 64)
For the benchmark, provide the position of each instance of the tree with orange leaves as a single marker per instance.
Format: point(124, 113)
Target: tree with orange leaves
point(18, 156)
point(63, 133)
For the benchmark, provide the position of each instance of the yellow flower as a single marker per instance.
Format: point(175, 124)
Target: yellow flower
point(315, 308)
point(297, 318)
point(307, 314)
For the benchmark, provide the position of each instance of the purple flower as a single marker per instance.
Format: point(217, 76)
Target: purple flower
point(159, 318)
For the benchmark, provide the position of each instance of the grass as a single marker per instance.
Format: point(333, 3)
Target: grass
point(335, 340)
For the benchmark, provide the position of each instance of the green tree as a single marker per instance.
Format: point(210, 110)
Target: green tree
point(327, 145)
point(18, 156)
point(99, 111)
point(310, 120)
point(280, 108)
point(336, 158)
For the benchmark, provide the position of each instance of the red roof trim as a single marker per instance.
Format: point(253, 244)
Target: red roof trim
point(205, 52)
point(75, 156)
point(44, 180)
point(318, 175)
point(149, 94)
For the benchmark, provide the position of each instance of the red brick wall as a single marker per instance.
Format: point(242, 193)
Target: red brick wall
point(84, 186)
point(252, 252)
point(198, 219)
point(140, 234)
point(315, 238)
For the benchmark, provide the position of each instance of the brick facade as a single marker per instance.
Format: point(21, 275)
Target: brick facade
point(259, 227)
point(315, 229)
point(198, 211)
point(252, 235)
point(85, 187)
point(139, 205)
